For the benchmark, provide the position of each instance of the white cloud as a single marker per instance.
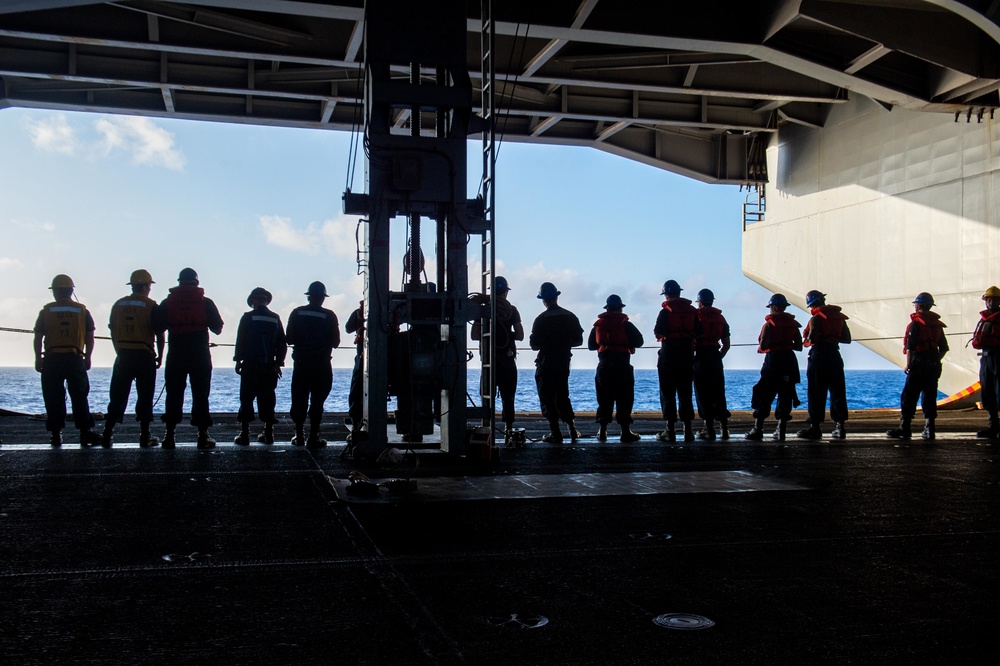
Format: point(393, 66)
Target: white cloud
point(7, 262)
point(47, 227)
point(53, 135)
point(336, 235)
point(145, 141)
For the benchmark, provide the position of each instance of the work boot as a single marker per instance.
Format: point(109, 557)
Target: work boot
point(708, 432)
point(724, 427)
point(315, 441)
point(205, 441)
point(602, 433)
point(300, 436)
point(169, 443)
point(992, 432)
point(688, 432)
point(146, 441)
point(756, 432)
point(779, 432)
point(243, 439)
point(628, 436)
point(108, 434)
point(56, 439)
point(554, 436)
point(902, 432)
point(89, 438)
point(839, 431)
point(267, 437)
point(574, 434)
point(669, 434)
point(508, 436)
point(929, 430)
point(812, 432)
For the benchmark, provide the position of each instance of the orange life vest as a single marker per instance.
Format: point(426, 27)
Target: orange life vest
point(713, 327)
point(680, 323)
point(609, 330)
point(65, 327)
point(987, 333)
point(826, 325)
point(783, 332)
point(186, 310)
point(924, 332)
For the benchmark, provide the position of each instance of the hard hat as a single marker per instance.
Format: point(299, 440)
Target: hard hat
point(992, 292)
point(62, 282)
point(500, 284)
point(188, 275)
point(142, 276)
point(778, 299)
point(814, 297)
point(548, 292)
point(317, 288)
point(259, 291)
point(925, 299)
point(706, 296)
point(671, 287)
point(614, 302)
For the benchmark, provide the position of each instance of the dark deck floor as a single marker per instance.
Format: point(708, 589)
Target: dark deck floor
point(867, 551)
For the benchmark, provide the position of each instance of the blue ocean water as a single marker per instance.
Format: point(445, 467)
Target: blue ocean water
point(20, 390)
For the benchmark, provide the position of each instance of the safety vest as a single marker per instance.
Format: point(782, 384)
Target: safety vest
point(987, 333)
point(186, 310)
point(680, 323)
point(924, 332)
point(826, 325)
point(713, 327)
point(783, 332)
point(131, 324)
point(65, 324)
point(609, 331)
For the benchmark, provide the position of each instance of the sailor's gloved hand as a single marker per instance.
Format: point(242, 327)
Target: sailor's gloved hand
point(277, 370)
point(239, 367)
point(39, 363)
point(159, 362)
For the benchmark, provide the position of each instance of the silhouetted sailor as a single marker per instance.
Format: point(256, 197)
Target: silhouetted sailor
point(509, 331)
point(554, 333)
point(779, 340)
point(824, 333)
point(676, 328)
point(188, 316)
point(924, 345)
point(986, 339)
point(355, 400)
point(63, 343)
point(260, 354)
point(615, 339)
point(710, 348)
point(139, 352)
point(313, 332)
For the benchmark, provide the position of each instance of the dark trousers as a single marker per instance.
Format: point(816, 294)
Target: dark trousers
point(825, 373)
point(675, 369)
point(921, 382)
point(183, 362)
point(257, 382)
point(615, 384)
point(989, 379)
point(356, 398)
point(312, 380)
point(62, 372)
point(132, 365)
point(710, 385)
point(552, 383)
point(507, 386)
point(778, 376)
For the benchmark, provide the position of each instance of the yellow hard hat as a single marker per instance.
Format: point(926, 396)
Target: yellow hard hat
point(141, 276)
point(66, 282)
point(992, 292)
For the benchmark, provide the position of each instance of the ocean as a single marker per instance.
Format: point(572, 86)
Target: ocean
point(20, 390)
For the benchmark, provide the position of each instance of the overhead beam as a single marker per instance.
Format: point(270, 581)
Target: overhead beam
point(555, 45)
point(867, 58)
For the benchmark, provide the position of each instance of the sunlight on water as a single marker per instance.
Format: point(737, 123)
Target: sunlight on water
point(20, 390)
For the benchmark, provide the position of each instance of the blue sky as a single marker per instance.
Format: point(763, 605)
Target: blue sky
point(98, 196)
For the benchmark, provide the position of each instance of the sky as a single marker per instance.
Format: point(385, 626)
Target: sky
point(97, 196)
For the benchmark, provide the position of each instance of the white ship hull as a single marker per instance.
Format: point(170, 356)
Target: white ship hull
point(876, 207)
